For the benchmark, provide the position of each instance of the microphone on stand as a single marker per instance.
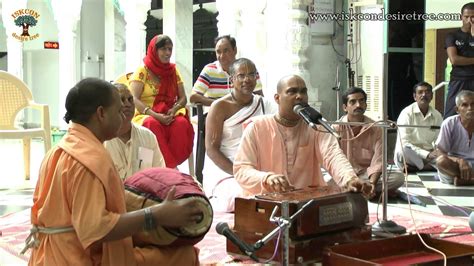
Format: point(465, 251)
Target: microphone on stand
point(312, 117)
point(223, 229)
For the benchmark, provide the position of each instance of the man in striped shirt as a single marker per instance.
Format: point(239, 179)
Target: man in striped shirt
point(213, 82)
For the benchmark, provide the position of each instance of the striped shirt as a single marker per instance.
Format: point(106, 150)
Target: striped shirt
point(214, 82)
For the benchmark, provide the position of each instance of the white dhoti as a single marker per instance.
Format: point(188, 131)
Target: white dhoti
point(218, 185)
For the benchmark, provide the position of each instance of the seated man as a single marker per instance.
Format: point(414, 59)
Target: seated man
point(363, 144)
point(455, 143)
point(79, 211)
point(135, 148)
point(224, 127)
point(280, 152)
point(213, 82)
point(418, 143)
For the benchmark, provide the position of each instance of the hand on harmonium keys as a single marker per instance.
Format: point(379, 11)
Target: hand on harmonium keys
point(358, 185)
point(277, 183)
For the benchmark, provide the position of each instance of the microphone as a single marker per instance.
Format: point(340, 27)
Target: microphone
point(312, 117)
point(223, 229)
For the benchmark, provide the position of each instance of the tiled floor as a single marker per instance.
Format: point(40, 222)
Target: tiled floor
point(16, 193)
point(436, 197)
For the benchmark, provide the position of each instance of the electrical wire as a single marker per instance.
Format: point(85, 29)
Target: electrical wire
point(405, 172)
point(275, 252)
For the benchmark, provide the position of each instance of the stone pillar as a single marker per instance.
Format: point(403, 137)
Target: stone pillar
point(178, 24)
point(66, 14)
point(109, 41)
point(135, 13)
point(299, 38)
point(14, 46)
point(228, 19)
point(252, 41)
point(290, 38)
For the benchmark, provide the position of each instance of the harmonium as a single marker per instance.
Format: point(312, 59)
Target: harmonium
point(391, 252)
point(334, 217)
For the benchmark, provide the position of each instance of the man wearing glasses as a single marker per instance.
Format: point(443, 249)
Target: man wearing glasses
point(224, 127)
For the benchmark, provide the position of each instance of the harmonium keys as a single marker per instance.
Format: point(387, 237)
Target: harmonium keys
point(332, 210)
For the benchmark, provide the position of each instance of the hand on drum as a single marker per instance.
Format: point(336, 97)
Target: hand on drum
point(177, 213)
point(359, 185)
point(277, 183)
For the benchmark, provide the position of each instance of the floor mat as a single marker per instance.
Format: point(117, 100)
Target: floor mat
point(15, 229)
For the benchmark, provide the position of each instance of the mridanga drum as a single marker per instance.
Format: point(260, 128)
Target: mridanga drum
point(150, 187)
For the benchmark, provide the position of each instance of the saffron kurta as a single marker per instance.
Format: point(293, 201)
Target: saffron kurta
point(297, 152)
point(78, 186)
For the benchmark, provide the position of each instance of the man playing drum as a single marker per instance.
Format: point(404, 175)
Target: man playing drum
point(78, 212)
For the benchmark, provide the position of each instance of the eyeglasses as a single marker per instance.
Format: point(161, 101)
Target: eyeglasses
point(250, 76)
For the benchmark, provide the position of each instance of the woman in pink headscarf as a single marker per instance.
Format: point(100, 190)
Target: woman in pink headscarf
point(159, 95)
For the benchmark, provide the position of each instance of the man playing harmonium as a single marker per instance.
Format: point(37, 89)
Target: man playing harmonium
point(280, 152)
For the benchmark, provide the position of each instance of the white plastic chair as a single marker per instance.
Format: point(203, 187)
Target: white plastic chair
point(14, 97)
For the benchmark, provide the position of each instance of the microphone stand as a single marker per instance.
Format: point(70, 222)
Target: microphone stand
point(384, 226)
point(283, 224)
point(337, 88)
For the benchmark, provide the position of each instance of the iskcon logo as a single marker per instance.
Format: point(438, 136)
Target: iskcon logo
point(25, 18)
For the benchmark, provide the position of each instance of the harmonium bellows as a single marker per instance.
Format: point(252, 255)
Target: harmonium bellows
point(334, 217)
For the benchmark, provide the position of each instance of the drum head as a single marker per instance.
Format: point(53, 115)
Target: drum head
point(201, 227)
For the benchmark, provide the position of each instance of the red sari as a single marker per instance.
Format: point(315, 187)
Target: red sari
point(176, 139)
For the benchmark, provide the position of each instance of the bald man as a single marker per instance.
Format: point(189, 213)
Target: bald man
point(281, 152)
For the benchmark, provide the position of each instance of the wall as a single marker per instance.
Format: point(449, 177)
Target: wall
point(92, 39)
point(119, 44)
point(323, 63)
point(442, 6)
point(40, 66)
point(42, 74)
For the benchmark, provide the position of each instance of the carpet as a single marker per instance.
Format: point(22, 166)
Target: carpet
point(14, 229)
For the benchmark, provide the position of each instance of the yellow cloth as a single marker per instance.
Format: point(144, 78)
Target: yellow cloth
point(149, 92)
